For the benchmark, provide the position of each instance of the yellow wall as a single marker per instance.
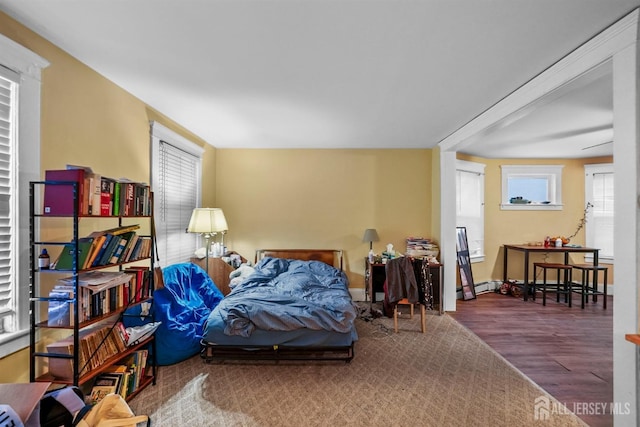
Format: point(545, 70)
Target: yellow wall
point(88, 120)
point(324, 199)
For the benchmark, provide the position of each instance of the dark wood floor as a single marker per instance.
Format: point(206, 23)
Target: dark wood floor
point(566, 351)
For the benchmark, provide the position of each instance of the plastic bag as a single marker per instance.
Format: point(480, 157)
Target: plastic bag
point(111, 411)
point(142, 332)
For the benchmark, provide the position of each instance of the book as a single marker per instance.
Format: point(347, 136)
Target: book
point(116, 231)
point(122, 332)
point(93, 252)
point(126, 256)
point(65, 260)
point(97, 281)
point(128, 198)
point(106, 196)
point(107, 240)
point(95, 195)
point(117, 195)
point(115, 257)
point(59, 198)
point(104, 384)
point(60, 310)
point(108, 252)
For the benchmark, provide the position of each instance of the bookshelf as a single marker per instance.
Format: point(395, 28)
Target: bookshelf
point(78, 301)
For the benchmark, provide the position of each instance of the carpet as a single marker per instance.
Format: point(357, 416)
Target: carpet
point(446, 377)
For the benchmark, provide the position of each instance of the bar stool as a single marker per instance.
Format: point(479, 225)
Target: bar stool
point(590, 277)
point(562, 285)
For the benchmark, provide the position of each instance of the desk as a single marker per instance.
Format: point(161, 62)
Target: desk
point(376, 274)
point(566, 250)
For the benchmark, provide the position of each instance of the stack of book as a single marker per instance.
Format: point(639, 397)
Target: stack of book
point(123, 379)
point(421, 247)
point(97, 195)
point(100, 293)
point(106, 247)
point(96, 346)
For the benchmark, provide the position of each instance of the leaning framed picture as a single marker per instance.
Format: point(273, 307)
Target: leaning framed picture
point(464, 264)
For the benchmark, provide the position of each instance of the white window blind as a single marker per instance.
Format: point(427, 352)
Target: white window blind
point(470, 204)
point(8, 287)
point(20, 74)
point(176, 183)
point(599, 187)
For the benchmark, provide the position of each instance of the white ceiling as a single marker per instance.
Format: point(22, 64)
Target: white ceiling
point(341, 73)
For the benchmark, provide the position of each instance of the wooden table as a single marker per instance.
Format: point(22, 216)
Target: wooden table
point(526, 249)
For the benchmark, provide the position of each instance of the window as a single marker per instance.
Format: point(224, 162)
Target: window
point(470, 205)
point(531, 187)
point(19, 163)
point(599, 192)
point(176, 182)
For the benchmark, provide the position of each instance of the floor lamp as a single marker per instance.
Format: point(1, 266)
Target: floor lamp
point(208, 222)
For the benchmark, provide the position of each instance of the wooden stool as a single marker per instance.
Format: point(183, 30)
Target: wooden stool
point(560, 287)
point(584, 286)
point(423, 320)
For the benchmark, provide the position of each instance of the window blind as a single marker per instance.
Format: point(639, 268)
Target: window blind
point(603, 213)
point(8, 88)
point(175, 196)
point(470, 209)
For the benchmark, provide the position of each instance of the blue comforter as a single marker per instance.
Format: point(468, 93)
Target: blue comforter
point(284, 295)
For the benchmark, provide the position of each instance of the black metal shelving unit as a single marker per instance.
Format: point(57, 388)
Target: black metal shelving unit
point(37, 220)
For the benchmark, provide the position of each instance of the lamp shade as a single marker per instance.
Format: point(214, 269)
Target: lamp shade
point(370, 235)
point(207, 220)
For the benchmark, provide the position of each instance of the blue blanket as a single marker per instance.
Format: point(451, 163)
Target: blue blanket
point(284, 295)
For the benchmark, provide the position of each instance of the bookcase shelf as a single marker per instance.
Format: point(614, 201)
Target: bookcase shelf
point(83, 379)
point(88, 330)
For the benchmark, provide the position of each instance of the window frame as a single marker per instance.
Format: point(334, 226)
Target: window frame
point(552, 172)
point(479, 169)
point(161, 133)
point(589, 171)
point(28, 65)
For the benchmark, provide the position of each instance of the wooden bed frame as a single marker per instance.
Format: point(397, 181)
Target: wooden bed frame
point(215, 352)
point(332, 257)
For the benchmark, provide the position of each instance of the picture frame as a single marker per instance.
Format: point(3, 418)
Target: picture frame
point(464, 265)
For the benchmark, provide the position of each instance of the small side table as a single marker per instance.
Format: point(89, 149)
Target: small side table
point(218, 271)
point(374, 276)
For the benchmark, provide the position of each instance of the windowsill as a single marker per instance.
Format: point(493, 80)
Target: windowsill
point(530, 207)
point(479, 258)
point(12, 342)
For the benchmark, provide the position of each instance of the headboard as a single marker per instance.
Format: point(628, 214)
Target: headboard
point(333, 257)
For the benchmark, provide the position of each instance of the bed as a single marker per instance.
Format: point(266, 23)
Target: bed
point(295, 306)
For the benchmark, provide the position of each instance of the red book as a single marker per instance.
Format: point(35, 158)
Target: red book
point(106, 196)
point(58, 199)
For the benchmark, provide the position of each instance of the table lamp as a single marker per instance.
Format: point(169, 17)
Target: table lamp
point(208, 222)
point(370, 235)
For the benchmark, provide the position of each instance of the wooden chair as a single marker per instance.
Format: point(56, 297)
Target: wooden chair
point(423, 315)
point(401, 287)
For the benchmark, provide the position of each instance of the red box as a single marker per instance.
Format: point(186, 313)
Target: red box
point(58, 199)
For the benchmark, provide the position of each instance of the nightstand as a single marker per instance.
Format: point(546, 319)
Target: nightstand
point(218, 271)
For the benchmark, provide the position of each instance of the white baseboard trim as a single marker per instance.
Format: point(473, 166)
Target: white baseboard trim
point(360, 294)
